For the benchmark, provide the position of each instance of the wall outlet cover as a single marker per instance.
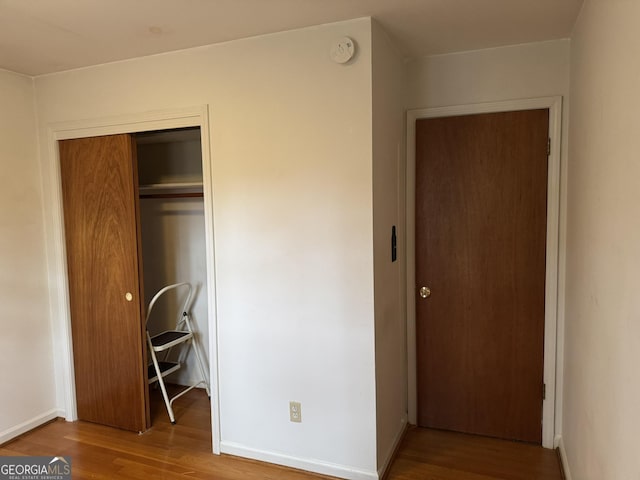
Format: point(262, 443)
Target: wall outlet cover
point(295, 412)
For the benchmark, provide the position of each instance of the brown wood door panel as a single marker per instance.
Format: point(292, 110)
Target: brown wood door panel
point(481, 195)
point(101, 231)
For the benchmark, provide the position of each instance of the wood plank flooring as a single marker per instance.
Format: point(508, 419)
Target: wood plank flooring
point(184, 451)
point(437, 455)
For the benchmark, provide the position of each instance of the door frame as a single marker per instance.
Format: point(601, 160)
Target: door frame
point(554, 104)
point(134, 123)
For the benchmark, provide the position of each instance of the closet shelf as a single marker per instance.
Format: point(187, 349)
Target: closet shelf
point(171, 190)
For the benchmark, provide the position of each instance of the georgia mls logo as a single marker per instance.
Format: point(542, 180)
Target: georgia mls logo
point(59, 466)
point(35, 468)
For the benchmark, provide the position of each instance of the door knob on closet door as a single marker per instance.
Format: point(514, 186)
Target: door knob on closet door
point(425, 292)
point(128, 296)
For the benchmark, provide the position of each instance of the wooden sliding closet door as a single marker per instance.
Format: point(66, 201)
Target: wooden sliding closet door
point(99, 178)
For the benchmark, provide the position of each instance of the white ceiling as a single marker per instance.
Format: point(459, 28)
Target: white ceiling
point(43, 36)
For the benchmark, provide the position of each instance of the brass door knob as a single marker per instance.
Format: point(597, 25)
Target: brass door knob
point(425, 292)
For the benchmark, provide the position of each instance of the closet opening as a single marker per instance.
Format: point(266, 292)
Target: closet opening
point(172, 231)
point(135, 222)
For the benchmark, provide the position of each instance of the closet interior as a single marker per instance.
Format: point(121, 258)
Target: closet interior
point(172, 230)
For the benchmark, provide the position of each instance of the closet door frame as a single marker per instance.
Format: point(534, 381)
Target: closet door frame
point(150, 121)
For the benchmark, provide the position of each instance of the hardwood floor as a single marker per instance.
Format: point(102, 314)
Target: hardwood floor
point(438, 455)
point(184, 450)
point(163, 452)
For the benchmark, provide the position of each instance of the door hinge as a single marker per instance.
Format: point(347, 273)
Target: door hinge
point(544, 391)
point(548, 146)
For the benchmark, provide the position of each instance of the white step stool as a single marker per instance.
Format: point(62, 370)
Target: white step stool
point(182, 336)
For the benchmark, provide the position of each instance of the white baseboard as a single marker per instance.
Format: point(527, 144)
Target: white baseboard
point(310, 465)
point(24, 427)
point(394, 446)
point(563, 457)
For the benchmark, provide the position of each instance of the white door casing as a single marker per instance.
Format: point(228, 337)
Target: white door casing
point(59, 297)
point(553, 265)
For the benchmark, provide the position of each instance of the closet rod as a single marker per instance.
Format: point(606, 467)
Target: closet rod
point(172, 195)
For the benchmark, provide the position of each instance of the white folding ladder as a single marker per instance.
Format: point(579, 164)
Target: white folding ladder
point(182, 336)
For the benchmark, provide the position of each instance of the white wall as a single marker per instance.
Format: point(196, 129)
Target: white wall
point(27, 389)
point(498, 74)
point(388, 209)
point(291, 149)
point(507, 73)
point(602, 388)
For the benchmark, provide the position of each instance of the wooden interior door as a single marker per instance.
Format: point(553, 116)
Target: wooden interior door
point(481, 198)
point(99, 188)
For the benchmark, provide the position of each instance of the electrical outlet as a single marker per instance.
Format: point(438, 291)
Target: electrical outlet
point(295, 412)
